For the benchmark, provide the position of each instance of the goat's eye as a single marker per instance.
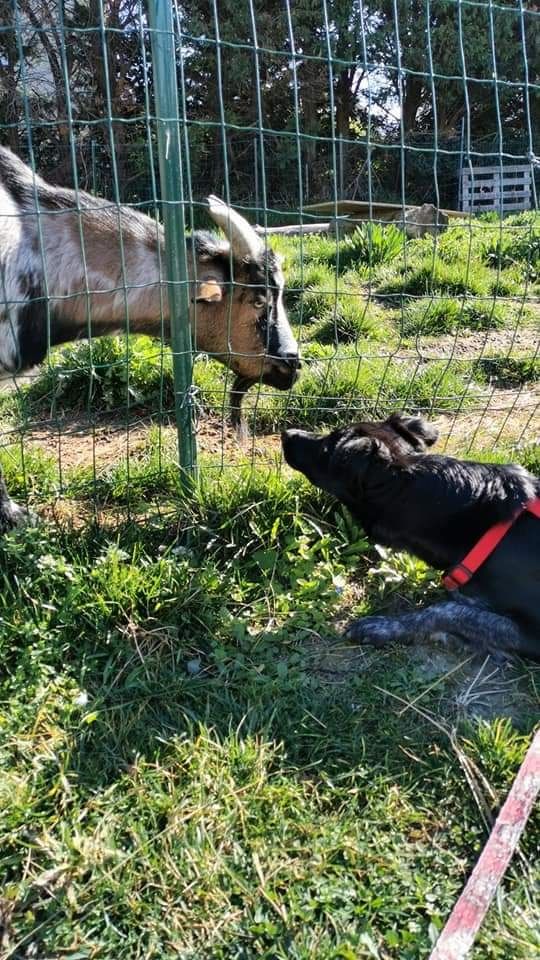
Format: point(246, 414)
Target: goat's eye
point(260, 302)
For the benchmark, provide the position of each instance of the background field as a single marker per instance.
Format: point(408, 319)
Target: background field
point(194, 764)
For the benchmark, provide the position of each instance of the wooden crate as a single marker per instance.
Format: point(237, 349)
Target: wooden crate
point(495, 188)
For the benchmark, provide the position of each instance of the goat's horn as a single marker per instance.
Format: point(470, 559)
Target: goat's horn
point(243, 239)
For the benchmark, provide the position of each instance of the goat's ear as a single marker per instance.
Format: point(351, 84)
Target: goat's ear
point(208, 290)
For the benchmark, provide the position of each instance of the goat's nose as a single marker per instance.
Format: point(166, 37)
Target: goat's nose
point(292, 360)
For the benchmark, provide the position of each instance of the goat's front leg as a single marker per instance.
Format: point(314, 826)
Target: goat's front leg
point(482, 629)
point(11, 514)
point(239, 389)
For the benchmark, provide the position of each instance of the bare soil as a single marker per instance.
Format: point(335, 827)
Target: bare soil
point(507, 418)
point(514, 342)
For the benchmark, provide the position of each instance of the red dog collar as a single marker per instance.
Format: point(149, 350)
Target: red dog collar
point(459, 575)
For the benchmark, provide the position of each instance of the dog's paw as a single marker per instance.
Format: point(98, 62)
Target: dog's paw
point(500, 658)
point(376, 631)
point(12, 516)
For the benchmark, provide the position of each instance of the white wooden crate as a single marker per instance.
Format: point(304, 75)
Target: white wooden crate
point(495, 188)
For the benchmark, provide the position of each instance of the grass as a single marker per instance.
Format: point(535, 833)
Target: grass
point(180, 779)
point(370, 244)
point(194, 763)
point(509, 371)
point(447, 315)
point(432, 275)
point(335, 390)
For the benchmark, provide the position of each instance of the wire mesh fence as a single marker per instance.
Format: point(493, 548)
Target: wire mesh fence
point(363, 118)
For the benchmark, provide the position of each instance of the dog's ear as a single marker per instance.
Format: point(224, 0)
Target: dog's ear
point(415, 430)
point(353, 457)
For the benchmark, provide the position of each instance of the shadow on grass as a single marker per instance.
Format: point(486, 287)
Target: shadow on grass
point(162, 639)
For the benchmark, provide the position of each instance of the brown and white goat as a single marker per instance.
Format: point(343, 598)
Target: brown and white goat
point(73, 265)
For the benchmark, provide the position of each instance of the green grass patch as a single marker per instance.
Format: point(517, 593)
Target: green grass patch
point(343, 386)
point(370, 244)
point(432, 275)
point(343, 312)
point(181, 778)
point(505, 371)
point(446, 315)
point(194, 763)
point(28, 472)
point(350, 318)
point(104, 374)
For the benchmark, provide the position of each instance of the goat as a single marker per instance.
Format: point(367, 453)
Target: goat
point(74, 265)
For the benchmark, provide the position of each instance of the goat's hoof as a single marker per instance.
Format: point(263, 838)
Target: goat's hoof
point(12, 516)
point(241, 430)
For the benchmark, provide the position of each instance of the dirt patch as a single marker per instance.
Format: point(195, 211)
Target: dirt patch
point(508, 342)
point(458, 683)
point(75, 441)
point(506, 418)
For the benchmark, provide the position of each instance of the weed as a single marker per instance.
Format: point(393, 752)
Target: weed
point(105, 374)
point(514, 245)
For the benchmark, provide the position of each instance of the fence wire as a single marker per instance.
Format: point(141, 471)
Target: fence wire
point(409, 129)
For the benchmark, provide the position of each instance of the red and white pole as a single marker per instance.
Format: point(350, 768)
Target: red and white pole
point(456, 938)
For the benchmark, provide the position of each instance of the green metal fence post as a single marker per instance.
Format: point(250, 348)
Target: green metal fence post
point(172, 196)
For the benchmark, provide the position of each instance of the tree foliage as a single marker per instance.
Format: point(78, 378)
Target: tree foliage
point(348, 75)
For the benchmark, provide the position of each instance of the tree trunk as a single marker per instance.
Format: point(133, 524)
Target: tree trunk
point(344, 112)
point(412, 99)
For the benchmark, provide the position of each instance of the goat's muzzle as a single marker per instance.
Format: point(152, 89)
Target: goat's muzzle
point(282, 372)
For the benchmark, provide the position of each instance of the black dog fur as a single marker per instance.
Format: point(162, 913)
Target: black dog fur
point(437, 508)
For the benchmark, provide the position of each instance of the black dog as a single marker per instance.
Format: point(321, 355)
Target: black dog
point(437, 508)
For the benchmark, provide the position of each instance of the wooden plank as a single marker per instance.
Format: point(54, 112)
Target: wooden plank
point(510, 168)
point(487, 206)
point(487, 184)
point(363, 208)
point(497, 195)
point(457, 936)
point(495, 184)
